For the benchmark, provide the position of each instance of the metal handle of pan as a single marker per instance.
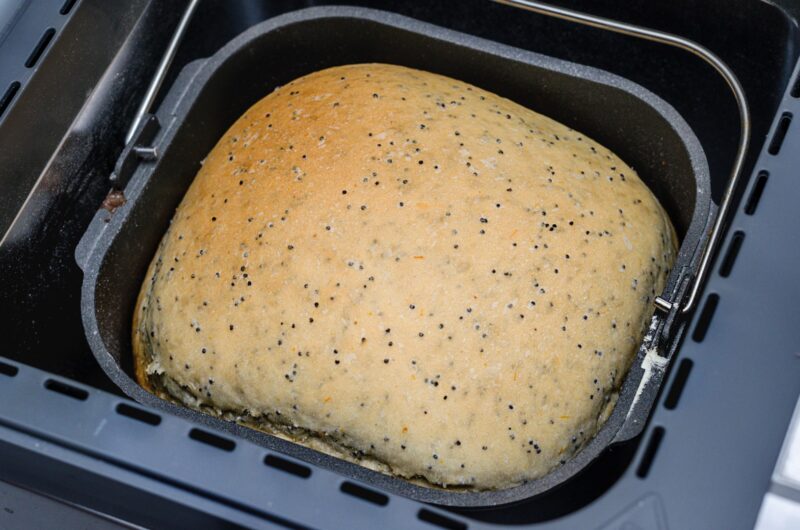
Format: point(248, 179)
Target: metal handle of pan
point(744, 122)
point(161, 71)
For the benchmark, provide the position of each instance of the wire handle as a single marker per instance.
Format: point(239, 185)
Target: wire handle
point(161, 71)
point(738, 93)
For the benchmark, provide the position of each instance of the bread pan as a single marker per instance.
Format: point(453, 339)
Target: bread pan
point(209, 95)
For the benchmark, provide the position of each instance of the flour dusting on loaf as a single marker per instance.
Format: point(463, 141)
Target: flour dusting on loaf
point(409, 272)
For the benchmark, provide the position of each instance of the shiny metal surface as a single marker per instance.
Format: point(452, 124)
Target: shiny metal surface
point(738, 93)
point(52, 155)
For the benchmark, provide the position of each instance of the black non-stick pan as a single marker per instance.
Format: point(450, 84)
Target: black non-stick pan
point(210, 95)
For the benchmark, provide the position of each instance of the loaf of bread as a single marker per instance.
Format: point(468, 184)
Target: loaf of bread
point(408, 272)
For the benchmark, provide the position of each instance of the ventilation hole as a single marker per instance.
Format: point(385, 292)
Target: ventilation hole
point(730, 257)
point(8, 369)
point(650, 453)
point(706, 315)
point(11, 91)
point(67, 7)
point(440, 520)
point(287, 466)
point(364, 493)
point(212, 439)
point(755, 193)
point(40, 47)
point(138, 414)
point(675, 391)
point(780, 133)
point(68, 390)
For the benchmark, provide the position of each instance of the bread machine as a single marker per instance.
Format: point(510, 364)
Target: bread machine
point(98, 98)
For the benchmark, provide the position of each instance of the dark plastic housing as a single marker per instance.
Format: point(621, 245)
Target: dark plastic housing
point(210, 95)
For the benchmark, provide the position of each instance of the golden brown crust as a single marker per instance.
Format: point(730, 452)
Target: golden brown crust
point(406, 271)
